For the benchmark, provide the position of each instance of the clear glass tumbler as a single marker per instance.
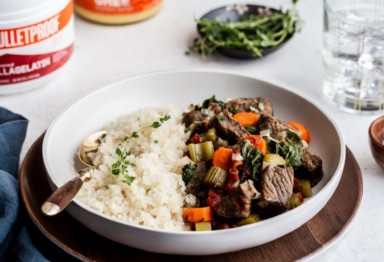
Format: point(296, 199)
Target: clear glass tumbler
point(353, 54)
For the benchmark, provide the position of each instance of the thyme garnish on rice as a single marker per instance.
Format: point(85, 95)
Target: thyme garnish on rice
point(122, 152)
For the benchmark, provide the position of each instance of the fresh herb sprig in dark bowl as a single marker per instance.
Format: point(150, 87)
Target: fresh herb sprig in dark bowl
point(244, 31)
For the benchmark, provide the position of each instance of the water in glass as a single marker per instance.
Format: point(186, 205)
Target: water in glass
point(353, 55)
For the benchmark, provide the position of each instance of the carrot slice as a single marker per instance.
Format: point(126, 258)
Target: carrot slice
point(258, 142)
point(247, 119)
point(198, 214)
point(223, 158)
point(303, 131)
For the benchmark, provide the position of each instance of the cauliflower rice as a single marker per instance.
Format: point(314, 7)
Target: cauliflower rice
point(157, 195)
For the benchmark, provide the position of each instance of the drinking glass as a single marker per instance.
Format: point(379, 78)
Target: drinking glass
point(353, 54)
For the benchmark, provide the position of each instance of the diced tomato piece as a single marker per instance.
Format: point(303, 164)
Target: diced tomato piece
point(195, 139)
point(213, 199)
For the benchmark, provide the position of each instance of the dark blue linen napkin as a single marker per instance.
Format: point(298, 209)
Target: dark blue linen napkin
point(15, 243)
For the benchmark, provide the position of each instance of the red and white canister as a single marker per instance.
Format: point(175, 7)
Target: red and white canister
point(36, 40)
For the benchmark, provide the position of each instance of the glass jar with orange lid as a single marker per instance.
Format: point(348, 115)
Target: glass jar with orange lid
point(115, 12)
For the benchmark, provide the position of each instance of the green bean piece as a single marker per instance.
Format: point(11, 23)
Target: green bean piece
point(215, 177)
point(253, 218)
point(304, 187)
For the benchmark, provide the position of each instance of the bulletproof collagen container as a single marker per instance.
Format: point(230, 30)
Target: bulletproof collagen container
point(36, 40)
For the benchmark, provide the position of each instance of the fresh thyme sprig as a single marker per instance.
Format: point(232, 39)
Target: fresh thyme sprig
point(122, 152)
point(253, 33)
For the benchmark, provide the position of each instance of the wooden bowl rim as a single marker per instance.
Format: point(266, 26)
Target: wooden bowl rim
point(373, 134)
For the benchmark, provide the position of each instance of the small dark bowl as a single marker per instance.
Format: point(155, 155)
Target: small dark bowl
point(224, 14)
point(376, 138)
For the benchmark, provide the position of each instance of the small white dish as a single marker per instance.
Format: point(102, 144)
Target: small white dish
point(182, 88)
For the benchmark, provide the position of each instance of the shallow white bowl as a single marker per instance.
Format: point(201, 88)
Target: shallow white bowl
point(182, 88)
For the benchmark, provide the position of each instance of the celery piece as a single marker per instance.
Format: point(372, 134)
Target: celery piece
point(273, 159)
point(203, 226)
point(294, 201)
point(211, 135)
point(215, 177)
point(195, 152)
point(304, 187)
point(207, 149)
point(201, 151)
point(253, 218)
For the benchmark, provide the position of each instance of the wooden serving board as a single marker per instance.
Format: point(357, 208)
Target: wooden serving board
point(62, 236)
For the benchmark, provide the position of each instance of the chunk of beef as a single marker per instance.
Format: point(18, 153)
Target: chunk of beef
point(248, 192)
point(228, 128)
point(192, 117)
point(195, 185)
point(215, 108)
point(276, 190)
point(272, 123)
point(198, 115)
point(260, 104)
point(238, 203)
point(311, 168)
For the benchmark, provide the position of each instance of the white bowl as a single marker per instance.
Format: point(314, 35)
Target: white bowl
point(182, 88)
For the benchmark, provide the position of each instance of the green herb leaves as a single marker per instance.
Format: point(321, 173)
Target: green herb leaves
point(252, 33)
point(253, 158)
point(157, 124)
point(187, 172)
point(211, 100)
point(291, 149)
point(120, 167)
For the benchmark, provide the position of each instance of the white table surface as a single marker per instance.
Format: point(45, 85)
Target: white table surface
point(106, 54)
